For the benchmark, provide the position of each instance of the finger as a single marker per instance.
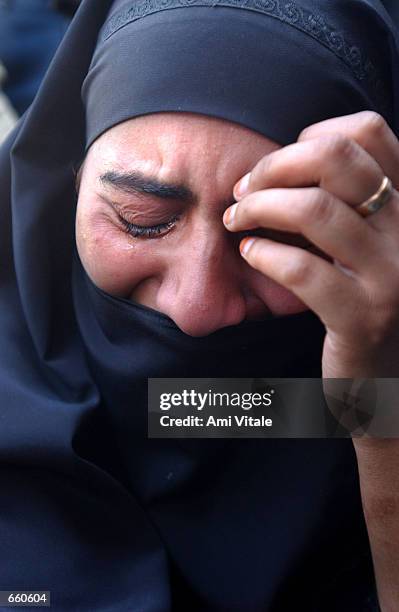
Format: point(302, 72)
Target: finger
point(322, 287)
point(370, 131)
point(328, 223)
point(335, 163)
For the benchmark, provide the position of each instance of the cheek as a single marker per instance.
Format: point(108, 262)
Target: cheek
point(276, 298)
point(113, 260)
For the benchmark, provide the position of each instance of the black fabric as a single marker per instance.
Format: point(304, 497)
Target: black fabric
point(313, 60)
point(69, 7)
point(91, 509)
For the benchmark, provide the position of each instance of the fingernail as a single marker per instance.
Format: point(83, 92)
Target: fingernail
point(246, 245)
point(242, 186)
point(229, 214)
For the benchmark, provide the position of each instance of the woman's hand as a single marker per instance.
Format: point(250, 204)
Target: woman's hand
point(351, 281)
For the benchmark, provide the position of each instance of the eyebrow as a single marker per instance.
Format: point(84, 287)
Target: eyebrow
point(136, 182)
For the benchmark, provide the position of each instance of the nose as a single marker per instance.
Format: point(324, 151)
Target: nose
point(202, 289)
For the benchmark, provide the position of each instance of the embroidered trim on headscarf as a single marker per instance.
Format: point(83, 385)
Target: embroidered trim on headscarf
point(288, 12)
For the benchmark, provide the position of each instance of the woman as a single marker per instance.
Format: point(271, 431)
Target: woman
point(92, 509)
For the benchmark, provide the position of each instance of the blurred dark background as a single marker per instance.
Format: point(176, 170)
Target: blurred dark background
point(30, 32)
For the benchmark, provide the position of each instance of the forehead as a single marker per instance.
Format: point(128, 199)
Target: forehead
point(166, 143)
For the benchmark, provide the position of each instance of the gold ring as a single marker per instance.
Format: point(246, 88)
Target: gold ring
point(378, 200)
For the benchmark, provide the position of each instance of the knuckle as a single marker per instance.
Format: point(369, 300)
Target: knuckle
point(374, 123)
point(340, 147)
point(254, 208)
point(268, 167)
point(318, 206)
point(249, 210)
point(263, 168)
point(297, 271)
point(306, 133)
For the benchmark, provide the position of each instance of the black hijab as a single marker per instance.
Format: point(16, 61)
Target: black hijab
point(92, 509)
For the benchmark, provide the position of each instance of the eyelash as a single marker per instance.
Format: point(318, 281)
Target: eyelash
point(148, 231)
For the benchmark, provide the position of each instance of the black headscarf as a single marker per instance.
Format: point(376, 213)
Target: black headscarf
point(91, 509)
point(272, 58)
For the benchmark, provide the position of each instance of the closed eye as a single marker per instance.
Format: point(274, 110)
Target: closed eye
point(148, 231)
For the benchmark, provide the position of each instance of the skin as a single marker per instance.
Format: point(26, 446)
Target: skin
point(218, 264)
point(209, 155)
